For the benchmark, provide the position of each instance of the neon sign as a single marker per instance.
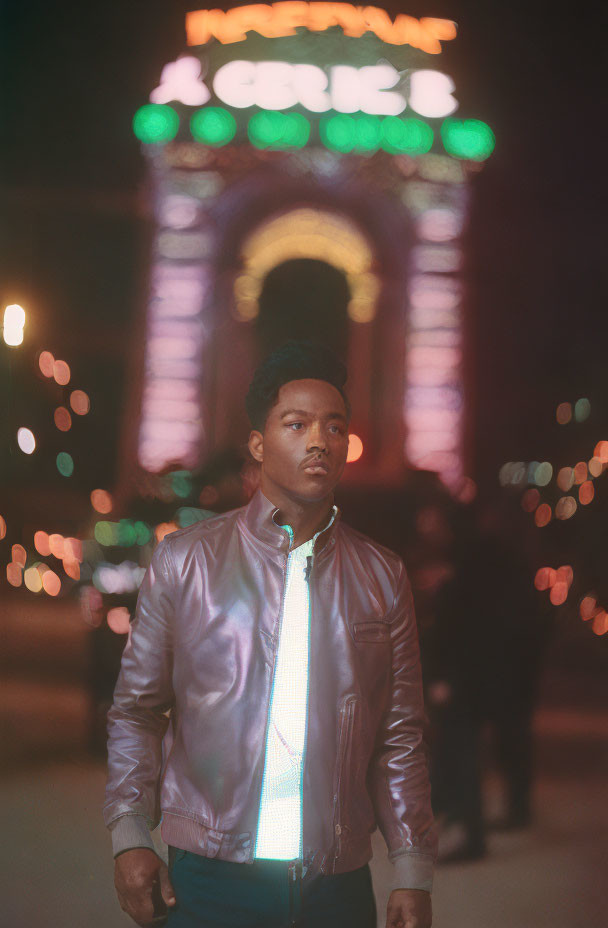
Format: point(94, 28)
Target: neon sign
point(273, 20)
point(279, 85)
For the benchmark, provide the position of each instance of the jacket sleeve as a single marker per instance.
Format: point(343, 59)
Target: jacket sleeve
point(137, 721)
point(398, 775)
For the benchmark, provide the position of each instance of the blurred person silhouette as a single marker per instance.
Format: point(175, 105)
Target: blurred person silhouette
point(484, 661)
point(269, 707)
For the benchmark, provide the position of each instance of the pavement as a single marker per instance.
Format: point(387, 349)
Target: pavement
point(56, 863)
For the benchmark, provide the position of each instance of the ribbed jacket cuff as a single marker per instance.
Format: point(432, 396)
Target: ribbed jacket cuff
point(128, 831)
point(412, 870)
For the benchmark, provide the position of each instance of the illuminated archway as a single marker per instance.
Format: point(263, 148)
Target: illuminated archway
point(308, 233)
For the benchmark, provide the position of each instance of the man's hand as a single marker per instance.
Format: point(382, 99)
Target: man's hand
point(409, 908)
point(141, 879)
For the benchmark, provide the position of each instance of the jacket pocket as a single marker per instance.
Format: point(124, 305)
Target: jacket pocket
point(371, 631)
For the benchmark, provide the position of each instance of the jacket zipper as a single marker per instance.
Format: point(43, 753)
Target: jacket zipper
point(274, 665)
point(347, 715)
point(309, 563)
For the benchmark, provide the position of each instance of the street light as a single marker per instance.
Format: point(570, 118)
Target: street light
point(14, 321)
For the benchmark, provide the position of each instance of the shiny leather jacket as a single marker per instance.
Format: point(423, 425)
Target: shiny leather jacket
point(188, 725)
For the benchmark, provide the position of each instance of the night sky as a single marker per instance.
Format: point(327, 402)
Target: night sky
point(74, 226)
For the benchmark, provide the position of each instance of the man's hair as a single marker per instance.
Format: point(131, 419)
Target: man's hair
point(294, 360)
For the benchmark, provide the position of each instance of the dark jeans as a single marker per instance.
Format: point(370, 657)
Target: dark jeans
point(214, 893)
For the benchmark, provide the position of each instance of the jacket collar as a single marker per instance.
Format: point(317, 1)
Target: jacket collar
point(259, 517)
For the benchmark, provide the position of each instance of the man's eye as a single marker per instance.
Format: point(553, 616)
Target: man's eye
point(336, 429)
point(294, 425)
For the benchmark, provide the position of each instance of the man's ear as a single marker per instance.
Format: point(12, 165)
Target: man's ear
point(256, 446)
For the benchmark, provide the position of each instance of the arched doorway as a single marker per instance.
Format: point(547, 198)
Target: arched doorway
point(303, 298)
point(304, 272)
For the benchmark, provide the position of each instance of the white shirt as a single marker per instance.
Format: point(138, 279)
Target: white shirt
point(279, 835)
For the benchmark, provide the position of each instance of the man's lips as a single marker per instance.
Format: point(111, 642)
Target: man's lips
point(317, 466)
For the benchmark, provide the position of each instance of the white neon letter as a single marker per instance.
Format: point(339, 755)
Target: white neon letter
point(274, 88)
point(431, 94)
point(345, 90)
point(376, 97)
point(180, 81)
point(234, 83)
point(310, 83)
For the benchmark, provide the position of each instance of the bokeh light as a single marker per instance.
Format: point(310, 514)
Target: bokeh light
point(213, 125)
point(582, 409)
point(337, 132)
point(595, 467)
point(101, 501)
point(61, 373)
point(513, 472)
point(580, 472)
point(51, 583)
point(542, 474)
point(56, 545)
point(601, 451)
point(272, 129)
point(544, 578)
point(355, 448)
point(542, 516)
point(563, 413)
point(143, 532)
point(565, 507)
point(32, 579)
point(106, 533)
point(559, 593)
point(588, 607)
point(600, 623)
point(14, 574)
point(467, 138)
point(586, 493)
point(45, 363)
point(127, 536)
point(405, 136)
point(181, 483)
point(26, 440)
point(164, 529)
point(72, 569)
point(2, 528)
point(14, 321)
point(65, 464)
point(72, 549)
point(63, 419)
point(19, 555)
point(80, 402)
point(565, 478)
point(155, 123)
point(530, 500)
point(41, 543)
point(118, 620)
point(565, 574)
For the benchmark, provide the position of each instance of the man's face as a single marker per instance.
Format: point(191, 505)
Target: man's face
point(305, 441)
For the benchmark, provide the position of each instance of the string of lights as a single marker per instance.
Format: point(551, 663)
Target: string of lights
point(557, 494)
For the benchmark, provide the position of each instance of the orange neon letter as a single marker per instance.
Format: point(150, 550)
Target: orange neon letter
point(197, 27)
point(288, 14)
point(379, 22)
point(350, 18)
point(256, 16)
point(282, 18)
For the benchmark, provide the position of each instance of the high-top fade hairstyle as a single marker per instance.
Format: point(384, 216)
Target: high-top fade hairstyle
point(294, 360)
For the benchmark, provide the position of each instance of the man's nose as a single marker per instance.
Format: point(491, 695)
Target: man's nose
point(316, 438)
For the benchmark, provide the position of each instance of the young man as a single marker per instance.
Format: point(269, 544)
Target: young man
point(277, 649)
